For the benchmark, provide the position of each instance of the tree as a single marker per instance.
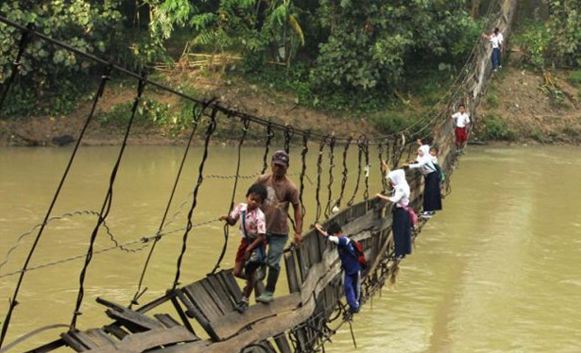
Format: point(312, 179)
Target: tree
point(370, 41)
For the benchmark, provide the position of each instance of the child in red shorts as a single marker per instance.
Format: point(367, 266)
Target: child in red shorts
point(461, 122)
point(251, 252)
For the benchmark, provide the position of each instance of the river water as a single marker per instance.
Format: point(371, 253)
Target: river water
point(497, 271)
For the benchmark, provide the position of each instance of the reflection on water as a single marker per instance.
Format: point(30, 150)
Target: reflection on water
point(494, 272)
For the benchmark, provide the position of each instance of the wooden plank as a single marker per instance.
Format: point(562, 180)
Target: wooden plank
point(48, 347)
point(99, 337)
point(116, 331)
point(180, 347)
point(234, 322)
point(282, 343)
point(228, 278)
point(315, 250)
point(221, 304)
point(128, 316)
point(72, 342)
point(144, 341)
point(166, 320)
point(84, 339)
point(302, 260)
point(203, 301)
point(222, 290)
point(191, 309)
point(183, 317)
point(291, 271)
point(132, 318)
point(202, 316)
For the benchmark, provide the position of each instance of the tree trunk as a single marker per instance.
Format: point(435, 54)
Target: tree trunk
point(475, 11)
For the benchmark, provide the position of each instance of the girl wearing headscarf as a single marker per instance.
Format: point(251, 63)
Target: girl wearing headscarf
point(432, 195)
point(401, 222)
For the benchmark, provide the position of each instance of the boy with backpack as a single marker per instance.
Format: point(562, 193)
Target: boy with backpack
point(352, 261)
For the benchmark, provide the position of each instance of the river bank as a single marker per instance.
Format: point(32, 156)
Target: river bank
point(521, 106)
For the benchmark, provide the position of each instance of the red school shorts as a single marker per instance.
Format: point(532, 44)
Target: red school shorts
point(461, 135)
point(241, 249)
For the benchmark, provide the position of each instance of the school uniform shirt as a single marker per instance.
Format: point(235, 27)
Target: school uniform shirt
point(495, 41)
point(255, 220)
point(401, 188)
point(462, 119)
point(349, 260)
point(500, 38)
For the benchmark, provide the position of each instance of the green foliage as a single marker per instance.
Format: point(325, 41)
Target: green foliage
point(370, 41)
point(394, 121)
point(495, 128)
point(492, 99)
point(257, 29)
point(565, 27)
point(556, 41)
point(149, 111)
point(25, 102)
point(575, 78)
point(534, 40)
point(537, 135)
point(85, 26)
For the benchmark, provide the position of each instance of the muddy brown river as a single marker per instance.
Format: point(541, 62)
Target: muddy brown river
point(496, 271)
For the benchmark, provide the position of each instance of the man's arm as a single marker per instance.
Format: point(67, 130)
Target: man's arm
point(298, 223)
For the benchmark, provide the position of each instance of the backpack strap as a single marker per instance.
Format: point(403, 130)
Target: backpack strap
point(243, 216)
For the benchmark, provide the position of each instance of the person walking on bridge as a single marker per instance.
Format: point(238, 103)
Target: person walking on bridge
point(401, 221)
point(281, 192)
point(496, 39)
point(432, 193)
point(461, 121)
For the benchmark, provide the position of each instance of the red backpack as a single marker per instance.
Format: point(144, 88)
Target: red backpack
point(358, 247)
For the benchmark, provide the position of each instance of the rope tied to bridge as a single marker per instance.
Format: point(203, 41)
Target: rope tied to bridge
point(367, 167)
point(212, 124)
point(106, 206)
point(319, 172)
point(304, 152)
point(245, 126)
point(360, 147)
point(269, 136)
point(197, 112)
point(344, 173)
point(328, 208)
point(13, 301)
point(289, 132)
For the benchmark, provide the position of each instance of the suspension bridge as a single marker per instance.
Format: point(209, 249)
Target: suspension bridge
point(203, 316)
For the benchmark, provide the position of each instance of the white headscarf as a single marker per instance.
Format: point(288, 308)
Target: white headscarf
point(401, 187)
point(425, 149)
